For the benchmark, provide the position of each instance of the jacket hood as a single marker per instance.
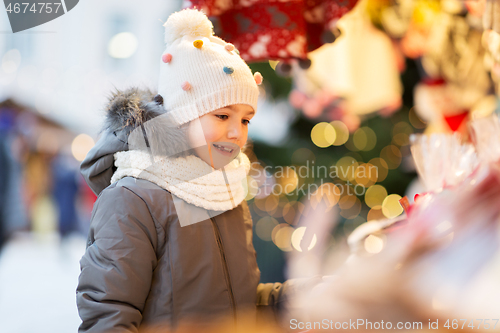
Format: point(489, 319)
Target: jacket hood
point(135, 119)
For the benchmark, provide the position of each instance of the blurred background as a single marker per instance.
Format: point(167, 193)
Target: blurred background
point(346, 83)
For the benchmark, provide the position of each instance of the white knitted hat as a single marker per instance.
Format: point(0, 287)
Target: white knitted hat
point(199, 72)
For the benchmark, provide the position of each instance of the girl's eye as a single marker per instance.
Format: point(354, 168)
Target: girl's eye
point(221, 116)
point(246, 121)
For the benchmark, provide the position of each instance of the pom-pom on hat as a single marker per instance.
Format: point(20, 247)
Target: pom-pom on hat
point(199, 72)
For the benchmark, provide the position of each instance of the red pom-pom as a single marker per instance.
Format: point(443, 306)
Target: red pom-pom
point(186, 86)
point(258, 78)
point(166, 58)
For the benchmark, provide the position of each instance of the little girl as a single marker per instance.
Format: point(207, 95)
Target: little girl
point(171, 238)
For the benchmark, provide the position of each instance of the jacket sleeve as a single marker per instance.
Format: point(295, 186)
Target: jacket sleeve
point(117, 267)
point(99, 165)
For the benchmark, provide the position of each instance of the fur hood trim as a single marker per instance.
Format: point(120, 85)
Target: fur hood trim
point(135, 120)
point(130, 108)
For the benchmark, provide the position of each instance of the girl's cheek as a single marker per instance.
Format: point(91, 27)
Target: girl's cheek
point(216, 132)
point(196, 134)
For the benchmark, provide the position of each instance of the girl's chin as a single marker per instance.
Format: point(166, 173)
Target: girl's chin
point(217, 157)
point(222, 158)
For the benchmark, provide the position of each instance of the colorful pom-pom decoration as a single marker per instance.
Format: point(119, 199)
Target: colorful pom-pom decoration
point(229, 47)
point(228, 70)
point(186, 86)
point(198, 43)
point(258, 78)
point(166, 58)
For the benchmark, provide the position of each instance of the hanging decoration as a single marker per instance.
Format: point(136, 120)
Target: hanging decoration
point(454, 54)
point(353, 77)
point(444, 37)
point(281, 30)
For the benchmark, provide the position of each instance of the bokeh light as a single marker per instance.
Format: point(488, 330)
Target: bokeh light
point(360, 139)
point(392, 156)
point(292, 211)
point(375, 195)
point(278, 213)
point(282, 236)
point(391, 206)
point(328, 192)
point(289, 213)
point(366, 174)
point(373, 244)
point(401, 133)
point(297, 236)
point(382, 168)
point(375, 214)
point(81, 145)
point(48, 142)
point(347, 201)
point(287, 179)
point(122, 45)
point(341, 131)
point(346, 167)
point(264, 180)
point(364, 139)
point(264, 228)
point(271, 203)
point(302, 155)
point(11, 61)
point(323, 135)
point(350, 206)
point(251, 187)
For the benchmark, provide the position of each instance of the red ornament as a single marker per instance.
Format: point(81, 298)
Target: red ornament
point(455, 121)
point(279, 30)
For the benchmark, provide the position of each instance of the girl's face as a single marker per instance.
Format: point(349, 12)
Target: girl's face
point(218, 136)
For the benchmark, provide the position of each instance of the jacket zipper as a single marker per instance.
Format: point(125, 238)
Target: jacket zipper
point(224, 266)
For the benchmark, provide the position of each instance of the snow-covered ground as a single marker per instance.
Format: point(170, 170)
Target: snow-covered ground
point(38, 278)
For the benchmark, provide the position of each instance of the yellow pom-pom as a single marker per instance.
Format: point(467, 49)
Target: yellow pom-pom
point(198, 43)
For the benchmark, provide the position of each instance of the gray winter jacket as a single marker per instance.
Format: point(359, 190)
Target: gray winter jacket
point(141, 268)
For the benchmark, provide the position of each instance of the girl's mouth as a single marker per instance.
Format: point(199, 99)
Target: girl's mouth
point(226, 150)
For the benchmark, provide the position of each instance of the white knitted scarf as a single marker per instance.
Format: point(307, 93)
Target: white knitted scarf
point(188, 178)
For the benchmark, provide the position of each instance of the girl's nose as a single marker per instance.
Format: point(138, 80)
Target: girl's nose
point(234, 132)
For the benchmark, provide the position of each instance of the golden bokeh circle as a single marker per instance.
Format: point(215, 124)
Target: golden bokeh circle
point(342, 132)
point(323, 135)
point(391, 206)
point(264, 228)
point(375, 195)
